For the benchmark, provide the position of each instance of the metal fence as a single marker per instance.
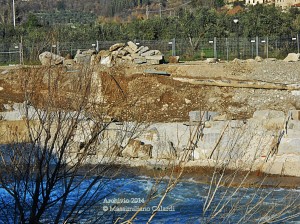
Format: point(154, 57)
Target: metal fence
point(221, 48)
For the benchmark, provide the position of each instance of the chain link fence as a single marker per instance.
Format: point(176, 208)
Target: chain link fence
point(197, 49)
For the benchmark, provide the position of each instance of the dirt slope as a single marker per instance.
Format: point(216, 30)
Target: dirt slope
point(133, 94)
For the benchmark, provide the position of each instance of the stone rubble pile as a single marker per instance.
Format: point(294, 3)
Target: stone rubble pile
point(116, 54)
point(121, 52)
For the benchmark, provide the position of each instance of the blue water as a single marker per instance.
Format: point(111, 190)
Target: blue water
point(184, 204)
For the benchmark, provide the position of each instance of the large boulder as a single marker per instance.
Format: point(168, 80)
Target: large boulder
point(258, 59)
point(48, 58)
point(174, 59)
point(132, 45)
point(137, 149)
point(116, 46)
point(145, 151)
point(211, 60)
point(83, 57)
point(292, 57)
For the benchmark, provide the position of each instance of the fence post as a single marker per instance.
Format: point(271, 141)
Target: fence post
point(97, 46)
point(298, 42)
point(256, 42)
point(215, 48)
point(21, 52)
point(173, 47)
point(267, 40)
point(57, 48)
point(227, 49)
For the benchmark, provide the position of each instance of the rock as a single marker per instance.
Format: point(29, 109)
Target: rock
point(283, 165)
point(89, 52)
point(69, 62)
point(151, 52)
point(292, 57)
point(132, 46)
point(268, 114)
point(103, 53)
point(250, 60)
point(187, 101)
point(131, 149)
point(289, 145)
point(295, 114)
point(48, 58)
point(196, 116)
point(137, 149)
point(295, 92)
point(107, 61)
point(236, 60)
point(174, 59)
point(134, 56)
point(116, 46)
point(143, 49)
point(223, 117)
point(68, 56)
point(127, 57)
point(139, 60)
point(145, 151)
point(258, 59)
point(269, 119)
point(82, 59)
point(93, 60)
point(4, 72)
point(129, 50)
point(153, 62)
point(274, 123)
point(211, 60)
point(114, 151)
point(208, 124)
point(155, 57)
point(122, 52)
point(271, 59)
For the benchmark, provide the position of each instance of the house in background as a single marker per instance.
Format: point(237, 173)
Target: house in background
point(284, 4)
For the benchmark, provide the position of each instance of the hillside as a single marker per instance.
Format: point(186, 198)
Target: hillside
point(105, 8)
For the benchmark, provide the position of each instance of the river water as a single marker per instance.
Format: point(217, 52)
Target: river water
point(185, 203)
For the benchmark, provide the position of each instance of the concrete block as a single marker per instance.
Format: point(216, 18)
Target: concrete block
point(155, 57)
point(116, 46)
point(289, 145)
point(293, 125)
point(268, 114)
point(139, 60)
point(132, 45)
point(151, 52)
point(195, 116)
point(153, 62)
point(295, 114)
point(143, 49)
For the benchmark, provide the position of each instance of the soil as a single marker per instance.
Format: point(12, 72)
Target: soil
point(133, 94)
point(161, 98)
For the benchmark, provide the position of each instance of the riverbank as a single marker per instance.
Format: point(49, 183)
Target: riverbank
point(203, 175)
